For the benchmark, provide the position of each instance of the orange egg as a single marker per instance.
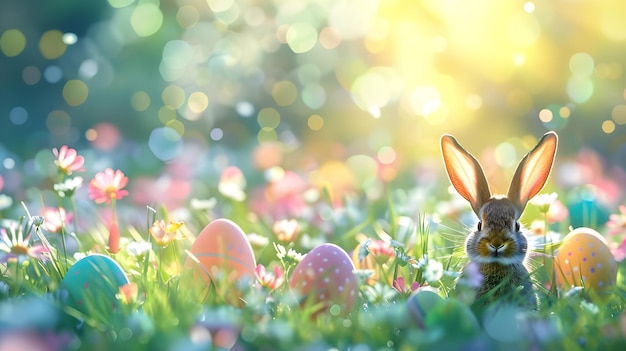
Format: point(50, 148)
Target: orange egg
point(584, 259)
point(223, 253)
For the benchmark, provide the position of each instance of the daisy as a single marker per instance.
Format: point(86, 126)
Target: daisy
point(55, 219)
point(14, 246)
point(68, 160)
point(108, 185)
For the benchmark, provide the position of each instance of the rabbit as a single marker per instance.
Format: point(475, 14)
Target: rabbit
point(498, 246)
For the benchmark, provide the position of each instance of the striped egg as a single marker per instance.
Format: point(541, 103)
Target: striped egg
point(325, 280)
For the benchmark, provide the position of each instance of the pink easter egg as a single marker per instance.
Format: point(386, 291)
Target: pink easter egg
point(223, 253)
point(325, 277)
point(584, 259)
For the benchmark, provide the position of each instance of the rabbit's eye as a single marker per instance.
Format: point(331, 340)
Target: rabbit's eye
point(517, 226)
point(480, 226)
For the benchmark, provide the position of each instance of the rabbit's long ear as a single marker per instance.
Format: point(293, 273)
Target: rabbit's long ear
point(533, 171)
point(465, 173)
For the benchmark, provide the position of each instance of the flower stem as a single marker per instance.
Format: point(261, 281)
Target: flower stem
point(146, 261)
point(75, 218)
point(63, 228)
point(160, 278)
point(18, 272)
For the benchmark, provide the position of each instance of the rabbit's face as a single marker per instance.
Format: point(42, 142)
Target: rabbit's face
point(498, 238)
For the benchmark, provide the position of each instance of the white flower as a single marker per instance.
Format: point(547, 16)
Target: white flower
point(590, 307)
point(79, 255)
point(291, 254)
point(207, 205)
point(575, 290)
point(5, 201)
point(433, 271)
point(138, 248)
point(544, 201)
point(68, 187)
point(281, 252)
point(294, 255)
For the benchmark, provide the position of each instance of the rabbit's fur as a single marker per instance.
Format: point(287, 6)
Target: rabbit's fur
point(498, 244)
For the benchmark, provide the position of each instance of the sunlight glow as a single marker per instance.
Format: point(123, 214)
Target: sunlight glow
point(425, 100)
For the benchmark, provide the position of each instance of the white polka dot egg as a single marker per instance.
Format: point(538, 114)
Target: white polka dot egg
point(325, 277)
point(584, 259)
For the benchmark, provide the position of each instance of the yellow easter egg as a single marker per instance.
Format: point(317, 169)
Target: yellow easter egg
point(585, 260)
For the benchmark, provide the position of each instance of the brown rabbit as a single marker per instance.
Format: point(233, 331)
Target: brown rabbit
point(498, 245)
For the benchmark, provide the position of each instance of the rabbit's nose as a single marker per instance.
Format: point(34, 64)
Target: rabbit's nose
point(497, 248)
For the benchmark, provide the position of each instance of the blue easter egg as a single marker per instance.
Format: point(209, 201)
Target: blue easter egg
point(92, 284)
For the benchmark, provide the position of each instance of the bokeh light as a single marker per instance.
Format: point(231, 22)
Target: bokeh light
point(284, 93)
point(31, 75)
point(165, 143)
point(319, 81)
point(301, 37)
point(18, 115)
point(140, 101)
point(146, 19)
point(53, 74)
point(331, 110)
point(51, 44)
point(12, 42)
point(75, 92)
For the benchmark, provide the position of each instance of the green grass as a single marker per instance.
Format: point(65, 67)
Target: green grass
point(175, 310)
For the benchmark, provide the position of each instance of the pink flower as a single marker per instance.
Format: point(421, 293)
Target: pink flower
point(33, 340)
point(282, 197)
point(55, 219)
point(269, 280)
point(619, 252)
point(381, 248)
point(108, 185)
point(617, 222)
point(400, 285)
point(286, 230)
point(557, 213)
point(15, 246)
point(68, 160)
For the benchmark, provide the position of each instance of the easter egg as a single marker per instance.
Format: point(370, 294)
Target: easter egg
point(420, 303)
point(584, 259)
point(452, 318)
point(505, 323)
point(222, 252)
point(325, 277)
point(92, 284)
